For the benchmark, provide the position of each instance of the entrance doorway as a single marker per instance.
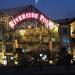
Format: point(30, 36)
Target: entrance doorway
point(33, 38)
point(31, 35)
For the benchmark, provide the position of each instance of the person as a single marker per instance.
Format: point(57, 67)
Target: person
point(19, 52)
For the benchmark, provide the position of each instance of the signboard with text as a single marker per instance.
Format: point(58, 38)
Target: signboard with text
point(32, 15)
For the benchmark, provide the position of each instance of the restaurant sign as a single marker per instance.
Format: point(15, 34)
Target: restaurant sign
point(31, 15)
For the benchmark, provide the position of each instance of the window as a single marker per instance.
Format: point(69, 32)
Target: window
point(73, 32)
point(9, 37)
point(9, 47)
point(65, 40)
point(65, 31)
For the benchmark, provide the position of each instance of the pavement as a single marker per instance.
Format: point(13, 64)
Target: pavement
point(41, 70)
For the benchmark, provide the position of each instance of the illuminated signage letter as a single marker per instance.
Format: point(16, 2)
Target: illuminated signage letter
point(44, 20)
point(23, 16)
point(12, 24)
point(20, 17)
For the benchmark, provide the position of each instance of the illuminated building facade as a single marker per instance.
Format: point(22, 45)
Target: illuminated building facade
point(30, 29)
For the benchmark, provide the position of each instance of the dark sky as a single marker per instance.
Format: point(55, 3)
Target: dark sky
point(55, 9)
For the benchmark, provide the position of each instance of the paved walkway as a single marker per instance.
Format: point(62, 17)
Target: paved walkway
point(38, 70)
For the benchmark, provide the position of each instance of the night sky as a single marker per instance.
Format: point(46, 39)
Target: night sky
point(55, 9)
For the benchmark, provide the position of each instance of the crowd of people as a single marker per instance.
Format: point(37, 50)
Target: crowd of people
point(64, 57)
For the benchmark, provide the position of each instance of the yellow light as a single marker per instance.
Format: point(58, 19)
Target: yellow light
point(22, 32)
point(4, 62)
point(72, 29)
point(50, 61)
point(29, 26)
point(16, 62)
point(56, 29)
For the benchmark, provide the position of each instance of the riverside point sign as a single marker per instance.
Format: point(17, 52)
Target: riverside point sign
point(31, 15)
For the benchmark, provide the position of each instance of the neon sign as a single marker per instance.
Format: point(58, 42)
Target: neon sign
point(31, 15)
